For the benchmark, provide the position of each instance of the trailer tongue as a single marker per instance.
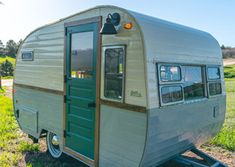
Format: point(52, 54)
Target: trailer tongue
point(200, 159)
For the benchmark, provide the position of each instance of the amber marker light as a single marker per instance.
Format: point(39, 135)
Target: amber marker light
point(128, 26)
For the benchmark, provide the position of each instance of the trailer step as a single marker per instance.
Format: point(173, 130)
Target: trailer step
point(208, 161)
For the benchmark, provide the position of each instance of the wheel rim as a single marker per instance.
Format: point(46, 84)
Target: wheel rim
point(53, 145)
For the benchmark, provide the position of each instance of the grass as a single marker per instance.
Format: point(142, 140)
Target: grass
point(12, 60)
point(12, 147)
point(229, 71)
point(226, 137)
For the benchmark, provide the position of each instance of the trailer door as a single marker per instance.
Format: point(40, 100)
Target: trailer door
point(81, 53)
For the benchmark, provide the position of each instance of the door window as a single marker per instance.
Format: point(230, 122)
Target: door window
point(81, 55)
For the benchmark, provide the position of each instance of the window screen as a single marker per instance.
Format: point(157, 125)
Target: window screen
point(114, 69)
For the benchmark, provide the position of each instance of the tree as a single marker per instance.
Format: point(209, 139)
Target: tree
point(6, 68)
point(223, 47)
point(18, 44)
point(11, 48)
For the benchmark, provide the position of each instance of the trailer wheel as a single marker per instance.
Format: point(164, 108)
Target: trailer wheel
point(53, 145)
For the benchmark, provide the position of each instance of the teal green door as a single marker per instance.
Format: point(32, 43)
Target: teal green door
point(81, 51)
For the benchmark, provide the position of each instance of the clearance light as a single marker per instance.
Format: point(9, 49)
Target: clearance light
point(128, 26)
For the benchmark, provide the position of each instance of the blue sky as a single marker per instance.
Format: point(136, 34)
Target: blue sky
point(20, 17)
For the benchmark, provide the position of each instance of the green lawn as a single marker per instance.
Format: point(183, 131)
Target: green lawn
point(226, 137)
point(229, 71)
point(12, 60)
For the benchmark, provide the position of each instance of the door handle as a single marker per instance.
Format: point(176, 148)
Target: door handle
point(92, 104)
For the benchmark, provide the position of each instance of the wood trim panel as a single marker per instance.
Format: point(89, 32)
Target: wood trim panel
point(98, 83)
point(124, 106)
point(58, 92)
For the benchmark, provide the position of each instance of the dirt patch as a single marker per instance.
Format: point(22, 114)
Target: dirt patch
point(228, 62)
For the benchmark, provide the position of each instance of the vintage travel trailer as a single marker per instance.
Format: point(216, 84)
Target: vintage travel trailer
point(112, 87)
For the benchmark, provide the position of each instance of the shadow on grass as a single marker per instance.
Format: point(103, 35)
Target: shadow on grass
point(44, 159)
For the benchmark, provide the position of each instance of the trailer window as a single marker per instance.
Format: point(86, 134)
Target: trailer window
point(193, 82)
point(171, 94)
point(169, 73)
point(82, 55)
point(213, 73)
point(114, 69)
point(214, 82)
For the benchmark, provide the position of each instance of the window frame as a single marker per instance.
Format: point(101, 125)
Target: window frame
point(171, 103)
point(204, 82)
point(104, 48)
point(161, 84)
point(219, 80)
point(168, 82)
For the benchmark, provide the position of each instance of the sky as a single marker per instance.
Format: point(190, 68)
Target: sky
point(19, 17)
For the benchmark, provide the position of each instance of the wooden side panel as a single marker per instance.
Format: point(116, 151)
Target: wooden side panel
point(122, 137)
point(175, 129)
point(49, 108)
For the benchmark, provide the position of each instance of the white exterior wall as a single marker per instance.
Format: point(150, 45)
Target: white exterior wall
point(173, 43)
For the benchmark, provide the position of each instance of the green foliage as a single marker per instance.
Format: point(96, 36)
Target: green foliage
point(25, 146)
point(11, 48)
point(6, 69)
point(10, 59)
point(229, 71)
point(226, 137)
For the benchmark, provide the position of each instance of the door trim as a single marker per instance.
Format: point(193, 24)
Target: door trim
point(67, 150)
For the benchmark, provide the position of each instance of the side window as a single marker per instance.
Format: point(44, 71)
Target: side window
point(114, 73)
point(214, 82)
point(193, 82)
point(178, 83)
point(170, 84)
point(171, 94)
point(170, 73)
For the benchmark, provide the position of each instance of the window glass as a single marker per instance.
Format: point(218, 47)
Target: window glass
point(171, 94)
point(170, 73)
point(193, 83)
point(114, 68)
point(215, 88)
point(81, 55)
point(213, 73)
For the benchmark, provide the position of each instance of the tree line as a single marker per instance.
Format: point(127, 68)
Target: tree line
point(228, 52)
point(8, 50)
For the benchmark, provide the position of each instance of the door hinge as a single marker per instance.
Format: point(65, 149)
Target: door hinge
point(65, 134)
point(65, 98)
point(17, 113)
point(65, 78)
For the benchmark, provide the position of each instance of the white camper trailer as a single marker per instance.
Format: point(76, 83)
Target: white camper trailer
point(112, 87)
